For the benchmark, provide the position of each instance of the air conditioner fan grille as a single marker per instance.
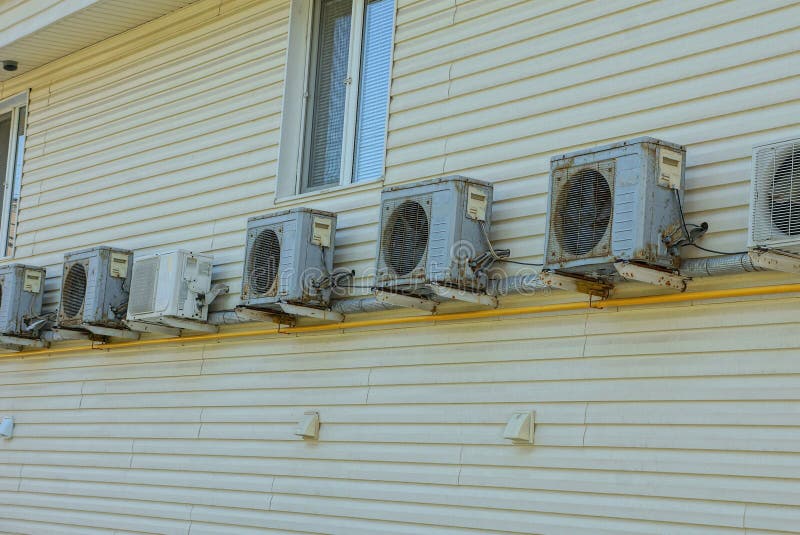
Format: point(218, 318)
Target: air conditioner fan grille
point(783, 197)
point(583, 211)
point(74, 292)
point(263, 262)
point(405, 237)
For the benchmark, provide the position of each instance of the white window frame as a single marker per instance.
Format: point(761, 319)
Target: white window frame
point(292, 157)
point(14, 105)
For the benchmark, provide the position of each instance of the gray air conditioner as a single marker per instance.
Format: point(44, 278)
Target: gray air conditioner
point(431, 232)
point(615, 203)
point(94, 288)
point(288, 258)
point(167, 286)
point(775, 197)
point(21, 289)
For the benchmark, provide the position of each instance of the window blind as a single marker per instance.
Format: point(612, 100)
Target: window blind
point(373, 94)
point(329, 93)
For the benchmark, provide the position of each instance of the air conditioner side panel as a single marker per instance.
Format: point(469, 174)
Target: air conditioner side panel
point(17, 303)
point(443, 235)
point(312, 263)
point(627, 230)
point(291, 256)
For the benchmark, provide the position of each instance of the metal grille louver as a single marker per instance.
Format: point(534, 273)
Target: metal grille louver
point(263, 261)
point(583, 210)
point(777, 194)
point(74, 292)
point(405, 237)
point(144, 284)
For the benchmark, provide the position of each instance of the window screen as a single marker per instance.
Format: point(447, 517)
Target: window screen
point(373, 95)
point(329, 93)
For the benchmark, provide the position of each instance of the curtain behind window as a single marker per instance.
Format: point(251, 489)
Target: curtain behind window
point(329, 95)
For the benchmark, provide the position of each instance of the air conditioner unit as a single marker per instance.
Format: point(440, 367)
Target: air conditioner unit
point(21, 289)
point(94, 288)
point(615, 203)
point(775, 197)
point(288, 255)
point(168, 286)
point(431, 231)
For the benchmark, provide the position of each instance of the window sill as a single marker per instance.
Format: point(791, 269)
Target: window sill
point(335, 191)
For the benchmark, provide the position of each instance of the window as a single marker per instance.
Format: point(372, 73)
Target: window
point(12, 145)
point(336, 97)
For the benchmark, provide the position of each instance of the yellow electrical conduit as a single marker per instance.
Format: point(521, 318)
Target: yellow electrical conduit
point(477, 314)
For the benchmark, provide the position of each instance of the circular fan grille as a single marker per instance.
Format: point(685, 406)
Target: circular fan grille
point(74, 290)
point(584, 211)
point(784, 195)
point(405, 237)
point(263, 262)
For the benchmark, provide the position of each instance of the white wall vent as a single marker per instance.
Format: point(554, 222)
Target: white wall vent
point(288, 256)
point(614, 203)
point(430, 232)
point(21, 290)
point(775, 197)
point(170, 285)
point(94, 287)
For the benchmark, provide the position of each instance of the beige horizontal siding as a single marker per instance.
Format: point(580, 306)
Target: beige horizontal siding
point(679, 419)
point(657, 440)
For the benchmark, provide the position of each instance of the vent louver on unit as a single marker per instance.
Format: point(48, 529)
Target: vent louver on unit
point(94, 291)
point(21, 289)
point(614, 203)
point(288, 256)
point(174, 285)
point(431, 231)
point(775, 197)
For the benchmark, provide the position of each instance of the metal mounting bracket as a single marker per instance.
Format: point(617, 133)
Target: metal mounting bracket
point(560, 281)
point(15, 343)
point(297, 310)
point(775, 261)
point(462, 295)
point(406, 301)
point(109, 331)
point(652, 276)
point(57, 335)
point(254, 314)
point(189, 325)
point(142, 327)
point(214, 292)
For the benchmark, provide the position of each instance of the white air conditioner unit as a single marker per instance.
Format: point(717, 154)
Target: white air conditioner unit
point(288, 259)
point(168, 286)
point(431, 232)
point(94, 288)
point(615, 203)
point(775, 197)
point(21, 290)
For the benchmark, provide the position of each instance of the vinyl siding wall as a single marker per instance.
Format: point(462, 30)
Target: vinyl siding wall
point(662, 419)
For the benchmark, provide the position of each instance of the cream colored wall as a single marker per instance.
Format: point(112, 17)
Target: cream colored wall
point(679, 419)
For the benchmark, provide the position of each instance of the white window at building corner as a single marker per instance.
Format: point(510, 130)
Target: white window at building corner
point(337, 94)
point(12, 146)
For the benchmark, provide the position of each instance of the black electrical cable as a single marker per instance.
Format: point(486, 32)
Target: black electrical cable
point(686, 231)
